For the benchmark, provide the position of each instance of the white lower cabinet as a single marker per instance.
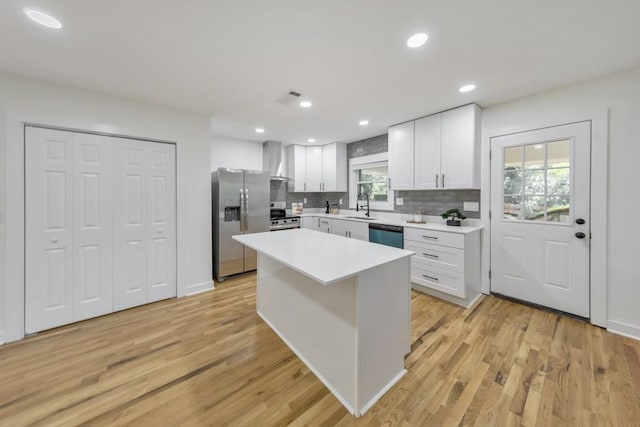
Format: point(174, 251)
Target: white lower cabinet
point(309, 222)
point(445, 264)
point(325, 225)
point(341, 227)
point(100, 221)
point(316, 223)
point(351, 229)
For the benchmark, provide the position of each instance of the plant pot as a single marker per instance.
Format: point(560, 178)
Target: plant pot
point(454, 222)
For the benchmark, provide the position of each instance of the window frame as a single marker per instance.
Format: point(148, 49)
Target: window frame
point(358, 163)
point(545, 168)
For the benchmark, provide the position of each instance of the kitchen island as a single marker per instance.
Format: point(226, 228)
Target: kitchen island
point(342, 305)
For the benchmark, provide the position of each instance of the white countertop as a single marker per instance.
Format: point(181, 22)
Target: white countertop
point(323, 257)
point(464, 229)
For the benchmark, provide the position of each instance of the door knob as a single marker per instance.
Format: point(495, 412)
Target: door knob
point(160, 231)
point(580, 221)
point(580, 235)
point(54, 240)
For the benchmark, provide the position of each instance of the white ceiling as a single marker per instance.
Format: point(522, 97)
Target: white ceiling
point(231, 59)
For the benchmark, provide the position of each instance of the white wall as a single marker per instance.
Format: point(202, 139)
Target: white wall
point(234, 153)
point(620, 94)
point(23, 100)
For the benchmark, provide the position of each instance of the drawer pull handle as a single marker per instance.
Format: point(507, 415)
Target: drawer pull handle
point(430, 255)
point(430, 237)
point(430, 278)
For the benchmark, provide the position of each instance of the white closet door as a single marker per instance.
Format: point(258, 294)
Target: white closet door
point(49, 224)
point(161, 202)
point(130, 215)
point(92, 226)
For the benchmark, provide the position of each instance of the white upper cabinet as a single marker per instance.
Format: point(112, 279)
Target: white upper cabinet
point(461, 147)
point(296, 164)
point(334, 167)
point(427, 160)
point(441, 151)
point(314, 169)
point(318, 168)
point(401, 155)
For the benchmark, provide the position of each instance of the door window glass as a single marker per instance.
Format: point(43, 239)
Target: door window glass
point(537, 182)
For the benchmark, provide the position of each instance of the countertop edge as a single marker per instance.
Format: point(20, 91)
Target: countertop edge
point(465, 229)
point(324, 282)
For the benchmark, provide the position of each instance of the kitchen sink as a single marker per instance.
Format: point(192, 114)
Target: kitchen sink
point(363, 218)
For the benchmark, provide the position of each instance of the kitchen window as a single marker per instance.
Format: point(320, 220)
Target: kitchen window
point(369, 175)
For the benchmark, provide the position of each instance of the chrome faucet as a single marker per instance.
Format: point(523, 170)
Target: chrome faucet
point(362, 197)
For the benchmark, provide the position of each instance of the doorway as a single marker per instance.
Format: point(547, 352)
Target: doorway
point(540, 217)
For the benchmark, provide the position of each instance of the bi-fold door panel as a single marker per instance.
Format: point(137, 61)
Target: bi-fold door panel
point(131, 169)
point(161, 267)
point(92, 226)
point(100, 225)
point(145, 233)
point(49, 223)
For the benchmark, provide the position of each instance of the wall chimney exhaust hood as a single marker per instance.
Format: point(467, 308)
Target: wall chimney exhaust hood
point(272, 160)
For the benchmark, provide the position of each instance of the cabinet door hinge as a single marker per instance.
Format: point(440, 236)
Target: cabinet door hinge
point(489, 214)
point(490, 154)
point(489, 274)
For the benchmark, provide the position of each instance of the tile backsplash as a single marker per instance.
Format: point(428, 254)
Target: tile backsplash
point(430, 202)
point(279, 193)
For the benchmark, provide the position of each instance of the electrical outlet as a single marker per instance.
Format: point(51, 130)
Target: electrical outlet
point(399, 201)
point(304, 200)
point(471, 206)
point(340, 202)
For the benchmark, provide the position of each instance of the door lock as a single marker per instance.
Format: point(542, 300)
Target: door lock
point(580, 235)
point(580, 221)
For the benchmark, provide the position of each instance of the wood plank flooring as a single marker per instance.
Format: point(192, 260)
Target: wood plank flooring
point(209, 360)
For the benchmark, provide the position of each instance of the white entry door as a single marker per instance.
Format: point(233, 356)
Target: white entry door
point(540, 238)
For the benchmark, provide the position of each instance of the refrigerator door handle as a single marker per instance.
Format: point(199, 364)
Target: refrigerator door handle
point(246, 210)
point(242, 210)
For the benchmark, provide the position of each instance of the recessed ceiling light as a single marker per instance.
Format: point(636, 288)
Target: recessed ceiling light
point(467, 88)
point(311, 140)
point(43, 19)
point(259, 130)
point(363, 122)
point(417, 40)
point(305, 104)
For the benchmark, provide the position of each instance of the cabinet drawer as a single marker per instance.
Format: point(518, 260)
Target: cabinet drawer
point(454, 240)
point(445, 281)
point(437, 255)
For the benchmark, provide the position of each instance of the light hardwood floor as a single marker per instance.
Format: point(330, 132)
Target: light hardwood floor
point(209, 360)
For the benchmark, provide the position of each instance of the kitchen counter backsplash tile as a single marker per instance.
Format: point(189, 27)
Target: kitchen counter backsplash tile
point(435, 202)
point(314, 200)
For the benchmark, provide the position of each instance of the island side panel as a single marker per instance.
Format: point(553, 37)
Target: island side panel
point(384, 329)
point(316, 321)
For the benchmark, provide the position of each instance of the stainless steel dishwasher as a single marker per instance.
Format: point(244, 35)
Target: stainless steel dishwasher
point(384, 234)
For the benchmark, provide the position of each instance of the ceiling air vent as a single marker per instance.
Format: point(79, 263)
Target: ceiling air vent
point(288, 98)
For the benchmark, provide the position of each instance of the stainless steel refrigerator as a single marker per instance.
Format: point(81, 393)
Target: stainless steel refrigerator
point(240, 206)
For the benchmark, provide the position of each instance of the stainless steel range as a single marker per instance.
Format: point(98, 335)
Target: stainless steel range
point(281, 221)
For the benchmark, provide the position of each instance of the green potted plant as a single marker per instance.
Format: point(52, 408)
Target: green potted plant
point(453, 217)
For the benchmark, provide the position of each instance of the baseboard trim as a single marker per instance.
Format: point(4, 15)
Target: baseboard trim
point(624, 329)
point(198, 288)
point(462, 302)
point(381, 393)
